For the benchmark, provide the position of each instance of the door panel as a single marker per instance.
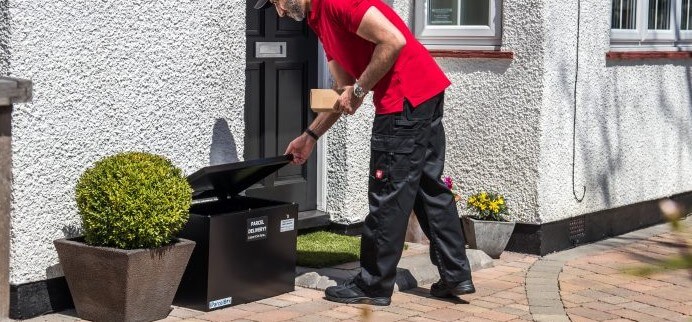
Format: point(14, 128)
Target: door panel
point(276, 105)
point(253, 124)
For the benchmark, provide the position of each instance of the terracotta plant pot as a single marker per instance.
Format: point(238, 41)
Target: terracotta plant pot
point(110, 284)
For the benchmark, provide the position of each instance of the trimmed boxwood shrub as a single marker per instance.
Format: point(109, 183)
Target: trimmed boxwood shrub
point(133, 200)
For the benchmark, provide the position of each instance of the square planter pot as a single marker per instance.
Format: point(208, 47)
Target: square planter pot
point(489, 236)
point(110, 284)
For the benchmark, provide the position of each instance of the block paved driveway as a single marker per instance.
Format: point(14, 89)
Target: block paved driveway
point(582, 284)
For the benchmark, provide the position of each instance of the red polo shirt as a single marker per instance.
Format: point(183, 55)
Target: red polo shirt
point(415, 75)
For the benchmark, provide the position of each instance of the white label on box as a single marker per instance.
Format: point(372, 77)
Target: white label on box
point(220, 303)
point(257, 228)
point(287, 225)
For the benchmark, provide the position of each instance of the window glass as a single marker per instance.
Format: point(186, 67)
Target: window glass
point(686, 15)
point(624, 14)
point(459, 12)
point(647, 24)
point(443, 12)
point(659, 14)
point(452, 24)
point(475, 12)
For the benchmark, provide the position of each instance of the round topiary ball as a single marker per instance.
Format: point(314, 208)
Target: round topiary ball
point(133, 200)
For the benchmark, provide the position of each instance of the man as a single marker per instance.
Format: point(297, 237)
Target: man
point(370, 48)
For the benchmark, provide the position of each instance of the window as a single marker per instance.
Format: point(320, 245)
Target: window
point(458, 24)
point(651, 24)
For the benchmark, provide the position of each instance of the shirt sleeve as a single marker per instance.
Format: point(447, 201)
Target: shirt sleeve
point(349, 13)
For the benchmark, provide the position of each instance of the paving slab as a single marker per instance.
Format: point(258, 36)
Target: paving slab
point(413, 270)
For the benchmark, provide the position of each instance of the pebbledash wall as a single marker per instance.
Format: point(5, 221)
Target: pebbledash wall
point(110, 76)
point(510, 126)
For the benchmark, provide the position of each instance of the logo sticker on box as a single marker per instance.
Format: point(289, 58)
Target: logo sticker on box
point(219, 303)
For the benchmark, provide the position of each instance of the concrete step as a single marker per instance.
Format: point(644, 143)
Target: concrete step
point(413, 271)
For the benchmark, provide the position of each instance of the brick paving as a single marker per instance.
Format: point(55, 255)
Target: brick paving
point(660, 297)
point(583, 284)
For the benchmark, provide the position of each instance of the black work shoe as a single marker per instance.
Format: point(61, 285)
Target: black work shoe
point(350, 293)
point(443, 289)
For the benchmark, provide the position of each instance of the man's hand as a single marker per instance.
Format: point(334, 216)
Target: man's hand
point(348, 102)
point(301, 148)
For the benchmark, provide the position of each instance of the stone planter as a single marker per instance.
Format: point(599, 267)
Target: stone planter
point(489, 236)
point(110, 284)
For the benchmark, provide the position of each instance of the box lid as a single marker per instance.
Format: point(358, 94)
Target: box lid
point(229, 179)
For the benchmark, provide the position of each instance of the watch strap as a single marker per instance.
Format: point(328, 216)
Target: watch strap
point(312, 134)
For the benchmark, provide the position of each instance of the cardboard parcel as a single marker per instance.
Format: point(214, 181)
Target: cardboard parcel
point(323, 100)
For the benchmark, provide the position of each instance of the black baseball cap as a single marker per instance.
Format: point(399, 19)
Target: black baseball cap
point(261, 4)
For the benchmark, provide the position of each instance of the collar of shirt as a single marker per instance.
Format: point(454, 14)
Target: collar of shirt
point(314, 13)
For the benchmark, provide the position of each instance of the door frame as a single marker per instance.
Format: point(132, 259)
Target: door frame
point(324, 80)
point(5, 196)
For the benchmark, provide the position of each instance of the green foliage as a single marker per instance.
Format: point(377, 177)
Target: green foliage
point(488, 206)
point(133, 200)
point(324, 249)
point(660, 266)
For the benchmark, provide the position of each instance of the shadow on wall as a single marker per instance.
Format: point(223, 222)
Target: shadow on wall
point(223, 147)
point(676, 120)
point(68, 231)
point(598, 172)
point(588, 169)
point(4, 38)
point(72, 230)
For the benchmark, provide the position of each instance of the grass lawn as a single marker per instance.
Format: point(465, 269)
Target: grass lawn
point(323, 249)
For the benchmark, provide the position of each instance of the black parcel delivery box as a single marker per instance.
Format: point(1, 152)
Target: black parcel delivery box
point(246, 247)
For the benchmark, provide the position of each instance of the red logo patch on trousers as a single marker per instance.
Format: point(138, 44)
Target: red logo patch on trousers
point(379, 174)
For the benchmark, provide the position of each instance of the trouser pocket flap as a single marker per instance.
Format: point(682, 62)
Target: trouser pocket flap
point(393, 144)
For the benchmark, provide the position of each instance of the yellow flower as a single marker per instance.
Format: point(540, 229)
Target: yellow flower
point(494, 207)
point(484, 196)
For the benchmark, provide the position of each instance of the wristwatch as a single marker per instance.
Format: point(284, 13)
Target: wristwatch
point(358, 91)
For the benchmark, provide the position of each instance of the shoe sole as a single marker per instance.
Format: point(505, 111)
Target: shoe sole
point(454, 292)
point(380, 301)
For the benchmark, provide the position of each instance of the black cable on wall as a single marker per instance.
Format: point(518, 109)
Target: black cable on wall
point(574, 119)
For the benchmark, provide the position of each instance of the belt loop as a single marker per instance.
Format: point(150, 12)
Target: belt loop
point(406, 113)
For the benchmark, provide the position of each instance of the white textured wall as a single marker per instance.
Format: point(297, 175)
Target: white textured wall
point(634, 119)
point(348, 162)
point(4, 37)
point(164, 76)
point(492, 114)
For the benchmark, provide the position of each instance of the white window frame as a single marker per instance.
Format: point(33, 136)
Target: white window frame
point(641, 38)
point(459, 37)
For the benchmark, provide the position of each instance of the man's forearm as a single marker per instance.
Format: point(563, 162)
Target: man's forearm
point(383, 58)
point(323, 122)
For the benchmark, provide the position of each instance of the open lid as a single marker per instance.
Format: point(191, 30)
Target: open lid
point(225, 180)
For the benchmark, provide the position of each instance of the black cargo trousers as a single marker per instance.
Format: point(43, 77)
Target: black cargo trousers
point(406, 164)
